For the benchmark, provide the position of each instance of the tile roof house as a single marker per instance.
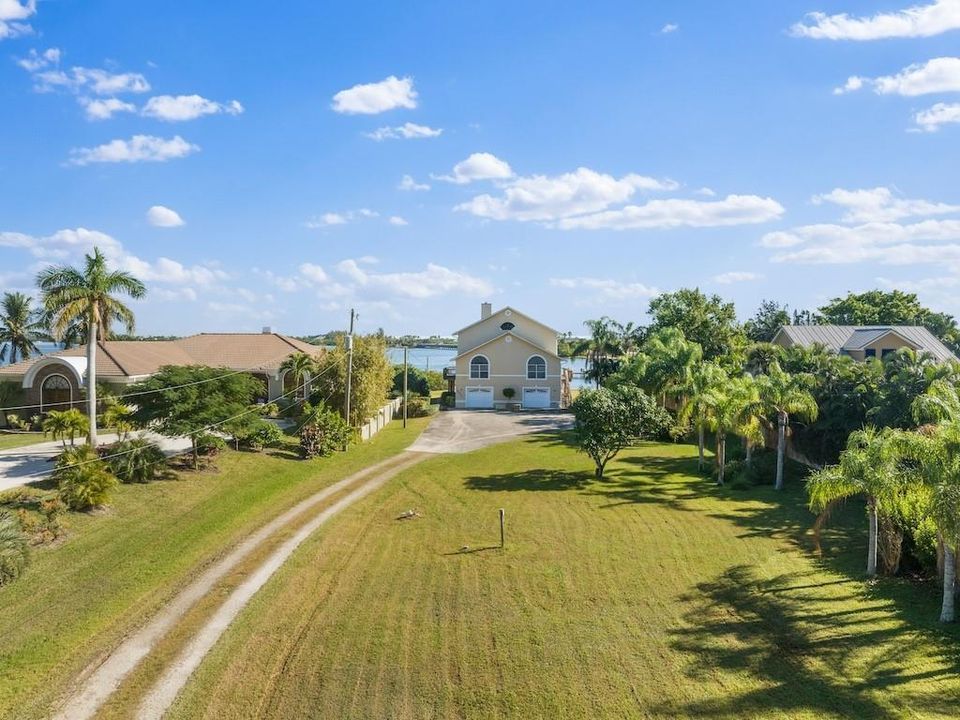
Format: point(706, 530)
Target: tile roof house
point(862, 342)
point(54, 381)
point(507, 349)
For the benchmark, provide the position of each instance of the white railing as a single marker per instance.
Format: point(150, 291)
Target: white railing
point(375, 424)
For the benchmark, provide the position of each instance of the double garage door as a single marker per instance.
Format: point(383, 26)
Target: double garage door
point(481, 398)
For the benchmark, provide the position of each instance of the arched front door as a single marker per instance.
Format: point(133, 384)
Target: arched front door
point(56, 393)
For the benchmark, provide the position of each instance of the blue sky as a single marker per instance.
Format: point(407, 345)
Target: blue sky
point(567, 158)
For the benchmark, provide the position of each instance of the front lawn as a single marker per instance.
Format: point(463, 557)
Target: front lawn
point(115, 567)
point(15, 440)
point(652, 594)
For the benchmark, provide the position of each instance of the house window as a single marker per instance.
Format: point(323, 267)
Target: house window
point(536, 368)
point(507, 326)
point(870, 352)
point(885, 352)
point(479, 368)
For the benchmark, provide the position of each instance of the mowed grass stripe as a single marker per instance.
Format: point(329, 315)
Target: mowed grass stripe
point(651, 594)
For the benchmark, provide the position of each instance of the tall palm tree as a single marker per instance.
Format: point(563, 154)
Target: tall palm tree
point(729, 412)
point(941, 402)
point(71, 294)
point(872, 466)
point(672, 359)
point(20, 328)
point(301, 366)
point(601, 349)
point(784, 395)
point(703, 379)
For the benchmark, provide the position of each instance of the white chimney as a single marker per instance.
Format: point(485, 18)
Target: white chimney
point(486, 310)
point(267, 330)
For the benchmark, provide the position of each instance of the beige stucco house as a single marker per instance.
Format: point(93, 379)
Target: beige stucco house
point(507, 349)
point(864, 342)
point(55, 381)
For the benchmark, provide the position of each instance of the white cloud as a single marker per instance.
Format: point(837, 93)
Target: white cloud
point(329, 219)
point(606, 288)
point(879, 205)
point(139, 148)
point(105, 109)
point(920, 286)
point(181, 108)
point(915, 21)
point(676, 212)
point(407, 131)
point(408, 183)
point(160, 216)
point(479, 166)
point(852, 84)
point(432, 281)
point(397, 220)
point(38, 61)
point(938, 75)
point(542, 198)
point(706, 192)
point(99, 82)
point(669, 28)
point(932, 118)
point(314, 273)
point(373, 98)
point(11, 12)
point(735, 276)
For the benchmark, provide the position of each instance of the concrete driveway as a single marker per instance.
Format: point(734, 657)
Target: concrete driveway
point(33, 463)
point(460, 431)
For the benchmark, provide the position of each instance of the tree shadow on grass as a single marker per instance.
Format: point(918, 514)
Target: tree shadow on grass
point(808, 651)
point(540, 479)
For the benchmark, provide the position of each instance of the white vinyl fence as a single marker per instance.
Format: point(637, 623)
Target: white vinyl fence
point(375, 424)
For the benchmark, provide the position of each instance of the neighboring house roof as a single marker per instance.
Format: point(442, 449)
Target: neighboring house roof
point(134, 358)
point(511, 309)
point(512, 334)
point(844, 338)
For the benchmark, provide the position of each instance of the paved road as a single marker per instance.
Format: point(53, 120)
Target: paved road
point(32, 463)
point(460, 431)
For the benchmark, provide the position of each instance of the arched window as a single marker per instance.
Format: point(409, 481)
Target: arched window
point(507, 326)
point(536, 368)
point(479, 368)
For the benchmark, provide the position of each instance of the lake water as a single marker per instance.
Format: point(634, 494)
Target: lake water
point(45, 347)
point(439, 358)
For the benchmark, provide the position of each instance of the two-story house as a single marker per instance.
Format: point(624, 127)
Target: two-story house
point(507, 350)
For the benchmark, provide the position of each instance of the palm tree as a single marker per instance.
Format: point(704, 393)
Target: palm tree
point(729, 411)
point(600, 349)
point(872, 466)
point(70, 295)
point(784, 395)
point(672, 359)
point(703, 379)
point(64, 423)
point(941, 402)
point(20, 328)
point(118, 417)
point(301, 366)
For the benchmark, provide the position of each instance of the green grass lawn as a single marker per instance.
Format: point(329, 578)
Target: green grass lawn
point(113, 568)
point(15, 440)
point(651, 594)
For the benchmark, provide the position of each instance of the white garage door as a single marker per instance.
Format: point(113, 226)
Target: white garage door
point(480, 398)
point(536, 397)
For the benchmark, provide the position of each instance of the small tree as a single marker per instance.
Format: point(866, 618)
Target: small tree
point(83, 479)
point(371, 381)
point(137, 461)
point(63, 424)
point(784, 395)
point(324, 434)
point(119, 418)
point(174, 404)
point(417, 382)
point(607, 421)
point(13, 547)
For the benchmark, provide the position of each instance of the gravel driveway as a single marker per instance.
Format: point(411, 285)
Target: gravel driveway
point(460, 431)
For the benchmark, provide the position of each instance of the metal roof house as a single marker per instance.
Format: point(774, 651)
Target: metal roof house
point(862, 342)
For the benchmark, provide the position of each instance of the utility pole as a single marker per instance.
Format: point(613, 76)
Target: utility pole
point(346, 410)
point(405, 371)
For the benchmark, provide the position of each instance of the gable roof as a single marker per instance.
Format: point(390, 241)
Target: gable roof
point(511, 309)
point(844, 338)
point(134, 358)
point(521, 338)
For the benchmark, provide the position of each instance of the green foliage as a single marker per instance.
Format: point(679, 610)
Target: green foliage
point(137, 461)
point(21, 327)
point(325, 434)
point(14, 552)
point(604, 349)
point(83, 479)
point(664, 365)
point(606, 421)
point(448, 399)
point(119, 418)
point(299, 367)
point(509, 392)
point(11, 395)
point(16, 422)
point(254, 433)
point(435, 379)
point(175, 405)
point(708, 321)
point(418, 407)
point(417, 381)
point(209, 445)
point(769, 318)
point(63, 424)
point(372, 377)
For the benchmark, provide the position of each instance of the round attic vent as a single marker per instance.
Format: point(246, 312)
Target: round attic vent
point(508, 313)
point(508, 339)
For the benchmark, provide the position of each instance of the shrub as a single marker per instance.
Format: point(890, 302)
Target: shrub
point(256, 434)
point(210, 445)
point(448, 399)
point(417, 407)
point(509, 392)
point(324, 435)
point(83, 479)
point(417, 383)
point(17, 423)
point(137, 460)
point(13, 547)
point(435, 379)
